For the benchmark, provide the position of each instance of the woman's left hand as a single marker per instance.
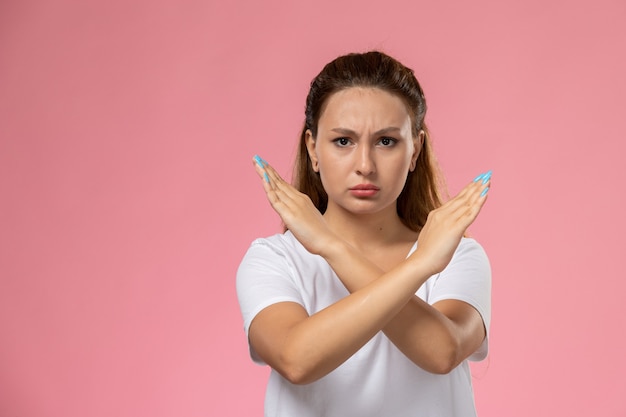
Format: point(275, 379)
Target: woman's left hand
point(445, 225)
point(295, 209)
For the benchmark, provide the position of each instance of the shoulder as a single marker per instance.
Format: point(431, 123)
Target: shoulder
point(269, 264)
point(268, 275)
point(469, 259)
point(280, 253)
point(282, 245)
point(469, 247)
point(284, 240)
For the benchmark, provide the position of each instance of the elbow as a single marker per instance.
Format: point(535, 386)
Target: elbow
point(298, 363)
point(296, 376)
point(445, 359)
point(443, 365)
point(295, 370)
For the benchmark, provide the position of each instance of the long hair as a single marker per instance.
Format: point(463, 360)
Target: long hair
point(422, 190)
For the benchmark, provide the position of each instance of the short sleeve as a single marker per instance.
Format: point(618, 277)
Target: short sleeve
point(264, 278)
point(467, 278)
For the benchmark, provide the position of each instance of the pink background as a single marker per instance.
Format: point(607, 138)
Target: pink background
point(128, 196)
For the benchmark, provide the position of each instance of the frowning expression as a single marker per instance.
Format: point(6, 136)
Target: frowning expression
point(364, 149)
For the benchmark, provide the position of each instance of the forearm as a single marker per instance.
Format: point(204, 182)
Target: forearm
point(420, 331)
point(317, 345)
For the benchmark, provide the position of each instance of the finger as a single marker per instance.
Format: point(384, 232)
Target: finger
point(476, 187)
point(463, 200)
point(259, 167)
point(477, 196)
point(485, 181)
point(282, 187)
point(479, 184)
point(280, 194)
point(465, 207)
point(262, 174)
point(473, 197)
point(278, 183)
point(268, 174)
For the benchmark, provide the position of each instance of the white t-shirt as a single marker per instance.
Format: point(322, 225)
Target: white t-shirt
point(378, 380)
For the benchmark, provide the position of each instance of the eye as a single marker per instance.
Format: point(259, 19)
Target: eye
point(342, 142)
point(387, 141)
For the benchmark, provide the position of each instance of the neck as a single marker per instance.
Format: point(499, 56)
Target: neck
point(371, 229)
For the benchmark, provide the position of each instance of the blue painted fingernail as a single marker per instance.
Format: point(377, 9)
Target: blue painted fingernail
point(258, 160)
point(267, 179)
point(478, 177)
point(487, 177)
point(485, 191)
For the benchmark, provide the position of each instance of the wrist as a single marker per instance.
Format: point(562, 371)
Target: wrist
point(421, 264)
point(332, 247)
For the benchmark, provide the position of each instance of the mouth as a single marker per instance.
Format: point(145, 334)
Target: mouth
point(364, 187)
point(364, 190)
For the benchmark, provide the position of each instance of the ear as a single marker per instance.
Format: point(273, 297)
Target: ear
point(310, 147)
point(418, 142)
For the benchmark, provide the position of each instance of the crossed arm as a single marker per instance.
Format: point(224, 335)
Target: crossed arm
point(437, 338)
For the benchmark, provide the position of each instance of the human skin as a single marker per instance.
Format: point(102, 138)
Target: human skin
point(364, 241)
point(364, 137)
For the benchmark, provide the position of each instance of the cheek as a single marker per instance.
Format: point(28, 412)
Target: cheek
point(402, 166)
point(328, 173)
point(330, 162)
point(406, 157)
point(333, 172)
point(401, 173)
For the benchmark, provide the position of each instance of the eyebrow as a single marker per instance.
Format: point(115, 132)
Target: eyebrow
point(350, 132)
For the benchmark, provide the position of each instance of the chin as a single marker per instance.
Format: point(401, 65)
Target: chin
point(366, 207)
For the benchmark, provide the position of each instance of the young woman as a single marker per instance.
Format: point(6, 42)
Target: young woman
point(372, 301)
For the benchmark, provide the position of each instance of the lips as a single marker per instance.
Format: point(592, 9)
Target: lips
point(364, 190)
point(365, 187)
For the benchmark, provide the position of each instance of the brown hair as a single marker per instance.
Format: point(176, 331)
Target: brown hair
point(422, 190)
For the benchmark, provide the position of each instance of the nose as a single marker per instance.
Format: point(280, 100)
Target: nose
point(365, 164)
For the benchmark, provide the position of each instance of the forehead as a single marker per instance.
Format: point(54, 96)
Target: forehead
point(364, 105)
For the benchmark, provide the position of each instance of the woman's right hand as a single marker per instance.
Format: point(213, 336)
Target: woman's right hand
point(447, 224)
point(295, 209)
